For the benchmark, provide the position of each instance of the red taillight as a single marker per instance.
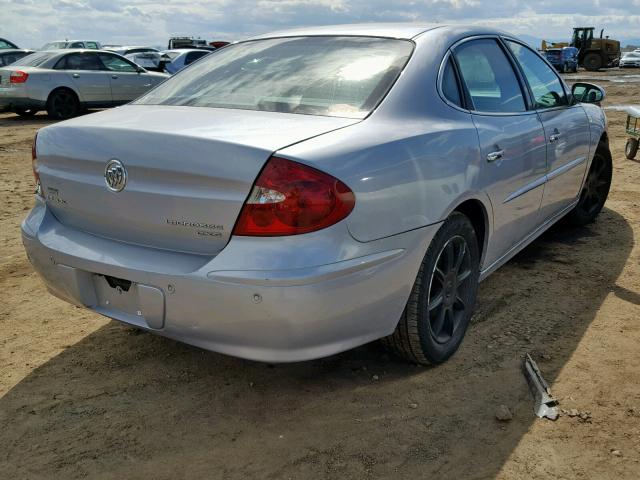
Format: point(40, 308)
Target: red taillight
point(289, 198)
point(34, 166)
point(18, 77)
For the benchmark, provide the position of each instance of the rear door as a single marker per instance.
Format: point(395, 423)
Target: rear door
point(126, 82)
point(88, 76)
point(511, 141)
point(566, 129)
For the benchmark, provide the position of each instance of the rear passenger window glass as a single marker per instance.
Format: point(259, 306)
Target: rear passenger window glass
point(81, 61)
point(489, 77)
point(193, 56)
point(545, 84)
point(450, 87)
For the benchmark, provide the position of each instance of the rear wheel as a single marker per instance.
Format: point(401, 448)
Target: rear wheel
point(575, 68)
point(592, 62)
point(595, 190)
point(631, 148)
point(565, 68)
point(26, 112)
point(63, 104)
point(443, 297)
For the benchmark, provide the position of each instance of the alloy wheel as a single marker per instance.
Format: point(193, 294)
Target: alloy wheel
point(64, 105)
point(449, 289)
point(596, 187)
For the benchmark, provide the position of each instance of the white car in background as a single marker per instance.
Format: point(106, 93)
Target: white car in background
point(61, 44)
point(630, 59)
point(64, 82)
point(176, 60)
point(147, 57)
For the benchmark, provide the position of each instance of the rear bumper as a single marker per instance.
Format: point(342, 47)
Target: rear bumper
point(275, 315)
point(10, 100)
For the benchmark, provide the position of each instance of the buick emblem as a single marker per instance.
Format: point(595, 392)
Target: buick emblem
point(115, 175)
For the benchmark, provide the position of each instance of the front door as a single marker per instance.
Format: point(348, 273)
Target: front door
point(566, 131)
point(511, 140)
point(126, 82)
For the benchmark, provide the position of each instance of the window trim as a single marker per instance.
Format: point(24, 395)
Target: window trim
point(468, 105)
point(534, 107)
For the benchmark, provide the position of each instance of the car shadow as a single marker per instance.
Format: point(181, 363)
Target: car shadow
point(130, 404)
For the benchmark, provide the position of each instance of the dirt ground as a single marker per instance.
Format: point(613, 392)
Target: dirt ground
point(85, 397)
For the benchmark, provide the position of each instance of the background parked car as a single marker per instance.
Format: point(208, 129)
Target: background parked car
point(11, 55)
point(90, 44)
point(65, 81)
point(176, 60)
point(147, 57)
point(563, 59)
point(6, 44)
point(630, 59)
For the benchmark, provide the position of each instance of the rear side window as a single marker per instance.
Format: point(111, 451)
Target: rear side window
point(80, 61)
point(489, 77)
point(193, 56)
point(545, 84)
point(77, 45)
point(450, 87)
point(92, 45)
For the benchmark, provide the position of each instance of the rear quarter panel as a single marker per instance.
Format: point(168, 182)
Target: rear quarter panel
point(412, 161)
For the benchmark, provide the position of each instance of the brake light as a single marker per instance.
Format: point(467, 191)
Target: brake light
point(290, 198)
point(34, 166)
point(18, 77)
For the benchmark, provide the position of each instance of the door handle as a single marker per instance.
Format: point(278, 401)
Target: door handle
point(554, 138)
point(493, 156)
point(146, 85)
point(115, 77)
point(75, 75)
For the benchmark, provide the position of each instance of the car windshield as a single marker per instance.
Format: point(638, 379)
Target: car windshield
point(35, 59)
point(330, 76)
point(631, 55)
point(54, 45)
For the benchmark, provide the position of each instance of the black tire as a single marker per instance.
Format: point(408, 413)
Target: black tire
point(592, 62)
point(426, 332)
point(575, 68)
point(595, 189)
point(565, 68)
point(63, 104)
point(26, 112)
point(631, 148)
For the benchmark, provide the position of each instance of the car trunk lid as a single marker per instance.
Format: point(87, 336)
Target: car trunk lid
point(189, 170)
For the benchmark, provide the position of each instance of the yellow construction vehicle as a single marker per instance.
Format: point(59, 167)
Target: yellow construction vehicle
point(593, 53)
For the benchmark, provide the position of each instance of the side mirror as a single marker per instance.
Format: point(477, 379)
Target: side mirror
point(140, 70)
point(587, 93)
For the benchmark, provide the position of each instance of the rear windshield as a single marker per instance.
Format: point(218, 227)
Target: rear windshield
point(330, 76)
point(35, 59)
point(54, 45)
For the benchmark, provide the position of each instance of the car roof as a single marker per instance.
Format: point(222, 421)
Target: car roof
point(15, 50)
point(405, 31)
point(391, 30)
point(184, 50)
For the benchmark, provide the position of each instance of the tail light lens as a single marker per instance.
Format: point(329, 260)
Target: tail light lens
point(289, 198)
point(18, 77)
point(34, 166)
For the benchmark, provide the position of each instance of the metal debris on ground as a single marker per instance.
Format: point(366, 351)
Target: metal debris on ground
point(545, 405)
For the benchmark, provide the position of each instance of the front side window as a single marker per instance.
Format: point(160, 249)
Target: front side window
point(545, 84)
point(116, 64)
point(489, 77)
point(77, 45)
point(330, 75)
point(92, 45)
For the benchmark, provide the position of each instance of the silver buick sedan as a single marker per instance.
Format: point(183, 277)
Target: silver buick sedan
point(308, 191)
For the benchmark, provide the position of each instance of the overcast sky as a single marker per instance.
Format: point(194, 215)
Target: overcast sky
point(31, 23)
